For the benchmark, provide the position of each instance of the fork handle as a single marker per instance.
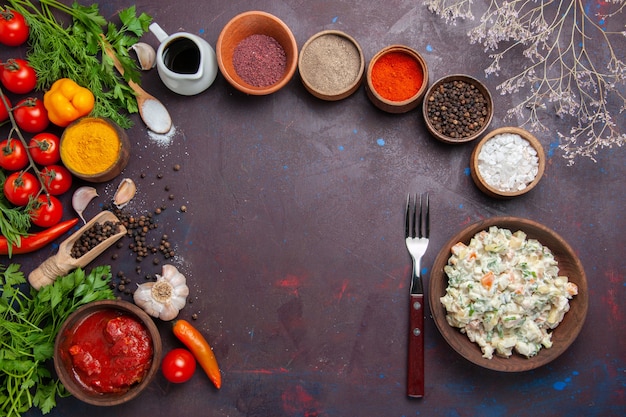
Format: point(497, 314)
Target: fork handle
point(415, 377)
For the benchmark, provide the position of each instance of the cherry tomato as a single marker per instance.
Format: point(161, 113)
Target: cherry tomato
point(44, 148)
point(31, 115)
point(13, 155)
point(4, 111)
point(178, 365)
point(13, 28)
point(47, 211)
point(20, 186)
point(18, 76)
point(57, 179)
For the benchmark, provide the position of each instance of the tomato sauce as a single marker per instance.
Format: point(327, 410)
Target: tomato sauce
point(110, 351)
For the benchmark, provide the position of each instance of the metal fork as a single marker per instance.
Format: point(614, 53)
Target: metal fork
point(417, 230)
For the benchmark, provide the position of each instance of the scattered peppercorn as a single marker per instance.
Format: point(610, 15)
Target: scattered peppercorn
point(176, 167)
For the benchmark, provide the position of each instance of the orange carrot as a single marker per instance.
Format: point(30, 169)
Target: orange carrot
point(197, 344)
point(487, 280)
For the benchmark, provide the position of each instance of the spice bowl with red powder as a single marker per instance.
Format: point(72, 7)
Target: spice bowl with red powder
point(257, 53)
point(397, 78)
point(107, 352)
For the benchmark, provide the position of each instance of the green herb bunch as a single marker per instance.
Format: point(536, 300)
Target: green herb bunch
point(28, 327)
point(72, 48)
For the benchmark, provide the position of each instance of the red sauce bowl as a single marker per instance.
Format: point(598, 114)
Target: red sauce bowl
point(85, 335)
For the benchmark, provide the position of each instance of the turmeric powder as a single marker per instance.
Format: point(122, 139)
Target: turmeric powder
point(90, 146)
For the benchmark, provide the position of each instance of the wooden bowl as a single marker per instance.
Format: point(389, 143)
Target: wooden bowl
point(492, 190)
point(63, 363)
point(241, 27)
point(88, 150)
point(386, 104)
point(331, 65)
point(433, 125)
point(562, 336)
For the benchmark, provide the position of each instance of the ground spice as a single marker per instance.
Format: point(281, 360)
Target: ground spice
point(397, 76)
point(90, 147)
point(260, 60)
point(330, 64)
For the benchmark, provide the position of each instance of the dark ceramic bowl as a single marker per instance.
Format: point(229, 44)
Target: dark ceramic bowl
point(434, 126)
point(331, 65)
point(69, 155)
point(562, 336)
point(64, 366)
point(243, 26)
point(392, 106)
point(491, 190)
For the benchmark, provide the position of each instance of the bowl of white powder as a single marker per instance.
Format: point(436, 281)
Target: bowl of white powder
point(507, 162)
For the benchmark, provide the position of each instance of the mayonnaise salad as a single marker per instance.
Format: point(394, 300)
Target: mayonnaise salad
point(505, 293)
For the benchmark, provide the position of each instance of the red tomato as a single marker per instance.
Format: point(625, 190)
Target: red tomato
point(47, 211)
point(18, 76)
point(20, 186)
point(178, 365)
point(44, 148)
point(4, 111)
point(57, 179)
point(31, 115)
point(13, 28)
point(13, 155)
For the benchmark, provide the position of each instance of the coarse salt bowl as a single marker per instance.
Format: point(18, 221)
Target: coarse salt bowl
point(507, 162)
point(238, 47)
point(83, 335)
point(397, 78)
point(331, 65)
point(94, 149)
point(457, 109)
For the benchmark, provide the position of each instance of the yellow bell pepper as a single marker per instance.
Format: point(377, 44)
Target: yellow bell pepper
point(66, 101)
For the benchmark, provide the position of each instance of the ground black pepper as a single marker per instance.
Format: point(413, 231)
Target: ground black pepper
point(457, 109)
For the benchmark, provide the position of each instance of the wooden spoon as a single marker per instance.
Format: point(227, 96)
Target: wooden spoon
point(62, 263)
point(152, 111)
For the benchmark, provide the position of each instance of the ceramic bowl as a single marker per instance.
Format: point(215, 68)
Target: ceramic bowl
point(63, 363)
point(331, 65)
point(438, 123)
point(491, 189)
point(243, 26)
point(378, 97)
point(76, 153)
point(562, 336)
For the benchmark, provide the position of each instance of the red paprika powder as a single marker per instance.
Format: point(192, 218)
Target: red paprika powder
point(397, 76)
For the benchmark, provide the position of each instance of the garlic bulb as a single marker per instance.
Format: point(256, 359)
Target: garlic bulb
point(165, 297)
point(145, 54)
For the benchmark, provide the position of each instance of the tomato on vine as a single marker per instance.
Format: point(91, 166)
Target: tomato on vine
point(14, 30)
point(20, 186)
point(44, 148)
point(57, 179)
point(4, 109)
point(47, 211)
point(31, 115)
point(18, 76)
point(13, 155)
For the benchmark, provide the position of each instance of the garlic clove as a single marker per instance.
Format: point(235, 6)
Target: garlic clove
point(125, 192)
point(81, 198)
point(145, 54)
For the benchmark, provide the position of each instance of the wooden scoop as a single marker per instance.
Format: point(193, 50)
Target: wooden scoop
point(152, 111)
point(62, 263)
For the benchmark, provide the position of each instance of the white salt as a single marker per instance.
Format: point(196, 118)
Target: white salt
point(508, 162)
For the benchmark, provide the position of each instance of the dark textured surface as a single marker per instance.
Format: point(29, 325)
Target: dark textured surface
point(292, 241)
